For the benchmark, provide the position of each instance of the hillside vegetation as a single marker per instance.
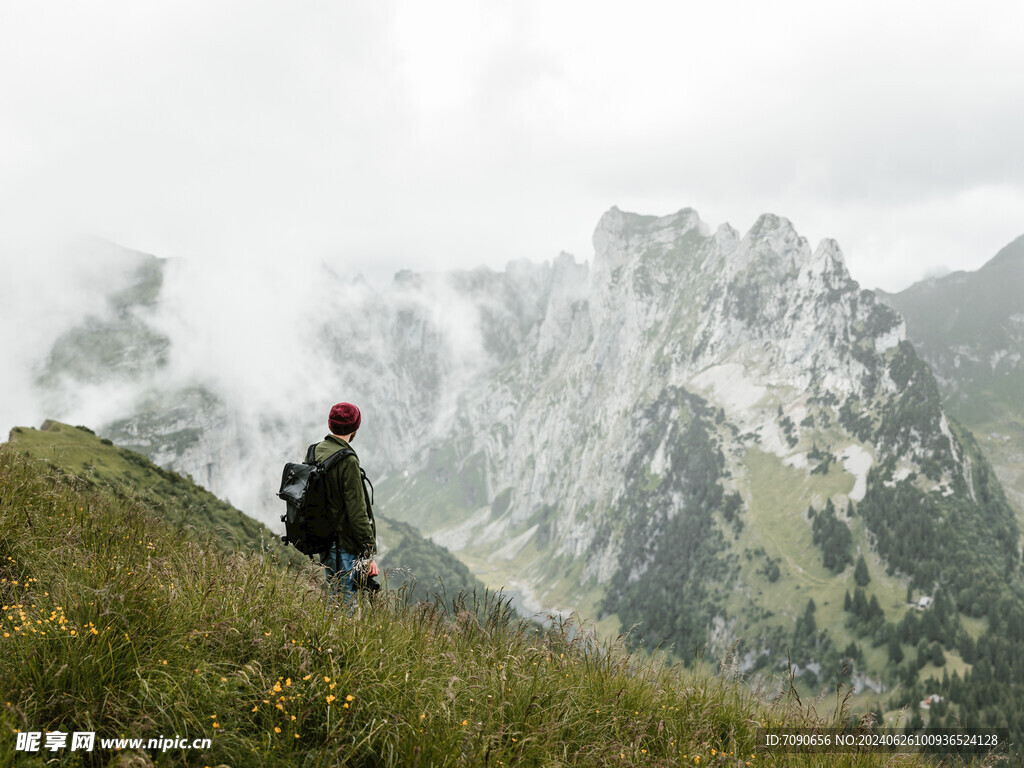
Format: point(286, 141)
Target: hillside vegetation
point(428, 567)
point(120, 618)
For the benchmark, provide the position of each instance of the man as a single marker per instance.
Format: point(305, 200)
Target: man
point(349, 504)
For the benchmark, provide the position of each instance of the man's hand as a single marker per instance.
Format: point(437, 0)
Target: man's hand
point(372, 569)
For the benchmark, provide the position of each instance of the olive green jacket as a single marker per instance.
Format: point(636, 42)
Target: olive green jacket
point(348, 501)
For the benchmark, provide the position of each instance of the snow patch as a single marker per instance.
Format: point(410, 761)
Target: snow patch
point(902, 473)
point(796, 460)
point(659, 464)
point(729, 386)
point(890, 339)
point(857, 462)
point(773, 440)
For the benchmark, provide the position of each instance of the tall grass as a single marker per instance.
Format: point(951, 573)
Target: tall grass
point(116, 622)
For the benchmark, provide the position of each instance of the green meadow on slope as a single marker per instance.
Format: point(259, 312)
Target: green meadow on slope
point(126, 614)
point(184, 504)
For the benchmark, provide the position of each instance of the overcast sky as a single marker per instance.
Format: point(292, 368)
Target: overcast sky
point(387, 135)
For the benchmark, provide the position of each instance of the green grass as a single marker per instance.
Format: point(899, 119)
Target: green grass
point(102, 464)
point(116, 621)
point(186, 505)
point(778, 497)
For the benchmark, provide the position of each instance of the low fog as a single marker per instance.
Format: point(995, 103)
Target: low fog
point(275, 344)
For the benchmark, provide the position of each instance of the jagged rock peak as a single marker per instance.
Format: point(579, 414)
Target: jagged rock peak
point(779, 235)
point(727, 236)
point(563, 260)
point(829, 249)
point(625, 224)
point(772, 241)
point(621, 234)
point(772, 248)
point(565, 269)
point(828, 259)
point(770, 222)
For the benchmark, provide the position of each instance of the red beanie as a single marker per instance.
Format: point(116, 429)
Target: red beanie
point(344, 419)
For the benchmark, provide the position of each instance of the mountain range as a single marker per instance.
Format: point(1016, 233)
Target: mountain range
point(717, 439)
point(969, 328)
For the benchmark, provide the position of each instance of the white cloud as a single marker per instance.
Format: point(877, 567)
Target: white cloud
point(420, 135)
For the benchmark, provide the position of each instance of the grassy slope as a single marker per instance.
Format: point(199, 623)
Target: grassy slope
point(102, 464)
point(114, 621)
point(778, 523)
point(185, 504)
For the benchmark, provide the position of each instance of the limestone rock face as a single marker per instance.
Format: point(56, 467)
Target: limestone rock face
point(759, 326)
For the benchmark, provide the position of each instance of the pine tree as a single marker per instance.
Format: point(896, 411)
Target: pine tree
point(860, 604)
point(860, 573)
point(810, 626)
point(874, 609)
point(895, 650)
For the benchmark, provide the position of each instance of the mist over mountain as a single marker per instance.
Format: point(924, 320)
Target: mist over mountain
point(716, 436)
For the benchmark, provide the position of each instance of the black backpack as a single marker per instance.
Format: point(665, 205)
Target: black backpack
point(308, 525)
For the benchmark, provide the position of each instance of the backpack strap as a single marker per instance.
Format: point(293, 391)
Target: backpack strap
point(330, 461)
point(366, 481)
point(334, 458)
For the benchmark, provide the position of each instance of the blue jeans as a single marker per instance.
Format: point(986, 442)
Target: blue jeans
point(339, 567)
